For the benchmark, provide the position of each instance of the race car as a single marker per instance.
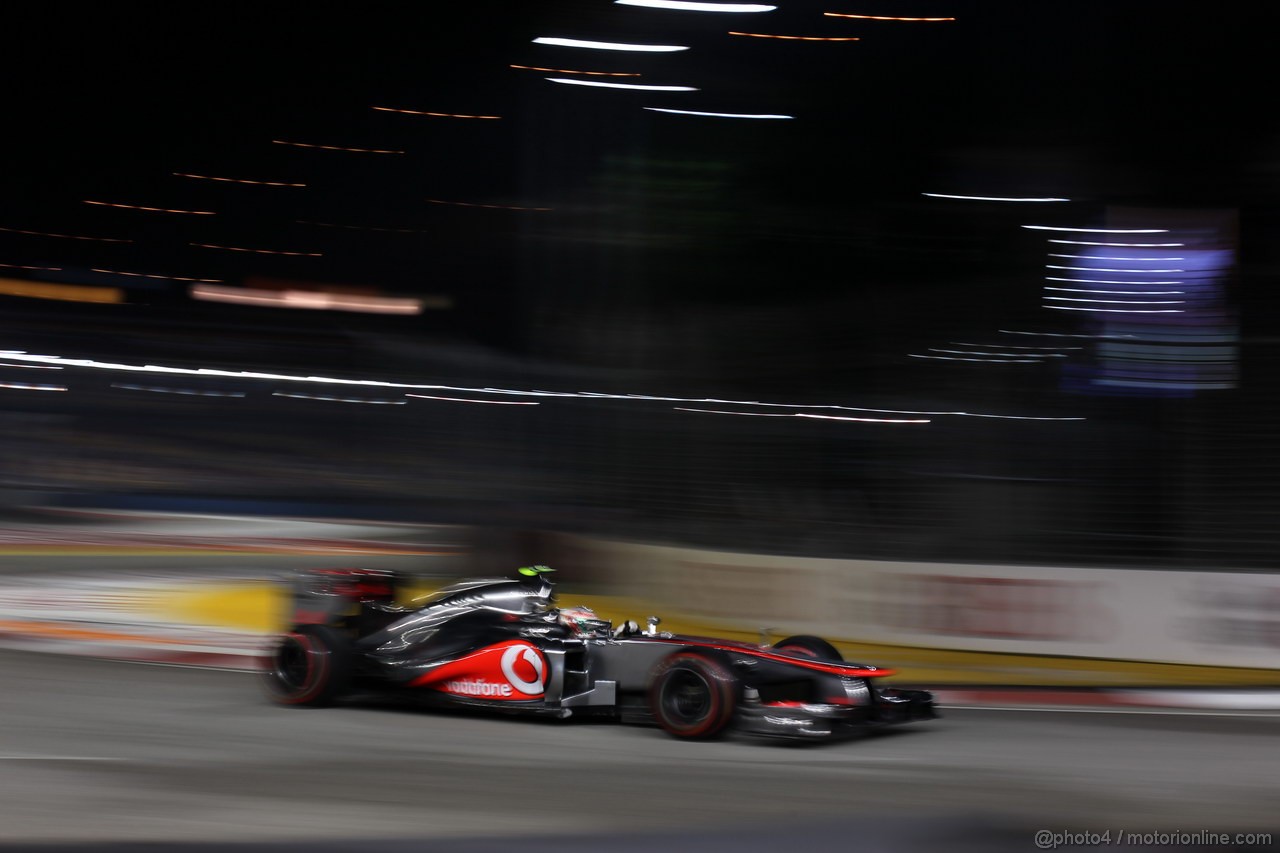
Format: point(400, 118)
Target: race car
point(502, 644)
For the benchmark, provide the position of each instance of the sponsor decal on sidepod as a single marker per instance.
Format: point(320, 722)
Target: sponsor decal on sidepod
point(510, 670)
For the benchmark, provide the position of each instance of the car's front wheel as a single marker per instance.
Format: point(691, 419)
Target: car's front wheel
point(694, 694)
point(310, 666)
point(803, 645)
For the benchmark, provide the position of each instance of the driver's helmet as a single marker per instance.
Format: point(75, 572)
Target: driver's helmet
point(538, 579)
point(583, 622)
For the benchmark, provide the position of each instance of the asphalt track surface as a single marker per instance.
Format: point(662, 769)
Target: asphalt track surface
point(99, 752)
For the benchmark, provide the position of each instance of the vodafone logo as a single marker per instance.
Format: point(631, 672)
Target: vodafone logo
point(521, 661)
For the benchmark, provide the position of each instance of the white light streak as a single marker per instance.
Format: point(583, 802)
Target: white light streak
point(1105, 269)
point(807, 415)
point(608, 45)
point(967, 344)
point(1106, 281)
point(465, 400)
point(340, 399)
point(88, 363)
point(1118, 292)
point(28, 386)
point(1107, 257)
point(187, 392)
point(990, 198)
point(999, 354)
point(718, 115)
point(1100, 230)
point(984, 360)
point(1119, 245)
point(602, 84)
point(689, 6)
point(31, 366)
point(1118, 310)
point(1121, 301)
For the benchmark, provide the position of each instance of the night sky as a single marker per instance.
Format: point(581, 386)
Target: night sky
point(1111, 103)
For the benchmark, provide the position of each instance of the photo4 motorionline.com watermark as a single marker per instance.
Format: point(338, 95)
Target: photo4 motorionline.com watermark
point(1047, 839)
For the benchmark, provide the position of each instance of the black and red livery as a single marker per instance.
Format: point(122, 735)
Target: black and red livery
point(501, 644)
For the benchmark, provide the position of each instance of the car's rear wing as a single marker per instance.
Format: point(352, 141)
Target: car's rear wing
point(339, 596)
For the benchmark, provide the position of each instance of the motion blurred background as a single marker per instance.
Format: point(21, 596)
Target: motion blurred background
point(409, 264)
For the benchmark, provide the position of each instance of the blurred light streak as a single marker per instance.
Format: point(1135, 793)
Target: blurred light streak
point(1116, 292)
point(717, 115)
point(990, 198)
point(188, 392)
point(149, 209)
point(984, 360)
point(1057, 334)
point(32, 366)
point(1000, 354)
point(603, 85)
point(155, 276)
point(574, 71)
point(1118, 310)
point(1099, 230)
point(690, 6)
point(20, 355)
point(1121, 301)
point(806, 415)
point(880, 17)
point(60, 292)
point(339, 399)
point(609, 45)
point(1108, 269)
point(27, 386)
point(464, 400)
point(308, 299)
point(30, 267)
point(421, 113)
point(795, 38)
point(65, 236)
point(1124, 245)
point(1105, 281)
point(967, 344)
point(258, 251)
point(337, 147)
point(1111, 257)
point(238, 180)
point(490, 206)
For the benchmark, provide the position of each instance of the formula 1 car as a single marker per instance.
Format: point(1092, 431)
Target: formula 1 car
point(501, 644)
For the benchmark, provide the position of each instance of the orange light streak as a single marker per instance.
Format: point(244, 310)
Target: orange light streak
point(28, 267)
point(238, 180)
point(336, 147)
point(66, 236)
point(152, 275)
point(424, 113)
point(571, 71)
point(150, 209)
point(881, 17)
point(796, 38)
point(258, 251)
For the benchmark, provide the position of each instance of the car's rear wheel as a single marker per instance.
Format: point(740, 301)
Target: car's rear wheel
point(805, 646)
point(309, 666)
point(694, 694)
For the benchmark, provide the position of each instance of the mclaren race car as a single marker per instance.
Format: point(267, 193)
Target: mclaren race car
point(501, 644)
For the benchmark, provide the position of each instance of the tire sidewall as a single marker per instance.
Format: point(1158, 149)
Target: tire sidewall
point(722, 693)
point(326, 654)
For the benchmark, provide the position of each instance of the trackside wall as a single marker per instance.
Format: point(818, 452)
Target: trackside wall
point(1205, 618)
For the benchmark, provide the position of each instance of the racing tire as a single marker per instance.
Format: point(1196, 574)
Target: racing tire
point(694, 694)
point(805, 646)
point(310, 666)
